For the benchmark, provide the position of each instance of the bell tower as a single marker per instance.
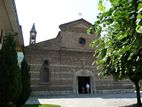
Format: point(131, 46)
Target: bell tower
point(33, 35)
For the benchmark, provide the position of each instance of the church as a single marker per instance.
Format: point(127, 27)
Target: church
point(63, 65)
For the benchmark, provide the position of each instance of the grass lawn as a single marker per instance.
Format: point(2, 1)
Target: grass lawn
point(40, 105)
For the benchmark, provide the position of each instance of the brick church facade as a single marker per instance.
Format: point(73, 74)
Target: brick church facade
point(63, 65)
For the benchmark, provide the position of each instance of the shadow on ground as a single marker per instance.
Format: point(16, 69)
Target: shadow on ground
point(104, 96)
point(133, 105)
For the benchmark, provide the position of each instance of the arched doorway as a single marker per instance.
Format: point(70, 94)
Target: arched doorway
point(82, 85)
point(81, 79)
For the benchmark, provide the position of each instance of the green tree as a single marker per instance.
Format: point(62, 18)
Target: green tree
point(26, 89)
point(118, 47)
point(139, 18)
point(10, 76)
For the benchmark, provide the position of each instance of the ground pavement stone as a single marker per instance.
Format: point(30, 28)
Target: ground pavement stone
point(88, 100)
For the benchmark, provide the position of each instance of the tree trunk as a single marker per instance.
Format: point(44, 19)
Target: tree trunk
point(138, 92)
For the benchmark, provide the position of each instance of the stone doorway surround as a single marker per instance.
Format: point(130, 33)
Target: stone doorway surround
point(83, 73)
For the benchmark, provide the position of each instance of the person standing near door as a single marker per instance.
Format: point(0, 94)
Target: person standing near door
point(87, 87)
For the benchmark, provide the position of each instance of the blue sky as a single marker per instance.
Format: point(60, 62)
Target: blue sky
point(49, 14)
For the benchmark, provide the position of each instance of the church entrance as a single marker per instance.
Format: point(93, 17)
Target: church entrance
point(83, 88)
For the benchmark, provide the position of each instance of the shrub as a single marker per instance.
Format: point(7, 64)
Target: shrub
point(26, 90)
point(10, 76)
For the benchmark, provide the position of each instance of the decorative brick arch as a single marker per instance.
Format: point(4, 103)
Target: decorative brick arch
point(83, 73)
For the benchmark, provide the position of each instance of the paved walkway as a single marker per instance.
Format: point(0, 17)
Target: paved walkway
point(93, 100)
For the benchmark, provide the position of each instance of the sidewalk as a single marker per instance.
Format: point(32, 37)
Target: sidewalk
point(88, 100)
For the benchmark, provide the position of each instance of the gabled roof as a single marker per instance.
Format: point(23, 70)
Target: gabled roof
point(81, 23)
point(52, 44)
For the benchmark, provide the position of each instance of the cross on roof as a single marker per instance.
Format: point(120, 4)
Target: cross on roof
point(80, 14)
point(83, 62)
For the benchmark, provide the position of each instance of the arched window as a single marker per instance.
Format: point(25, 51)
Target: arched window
point(45, 75)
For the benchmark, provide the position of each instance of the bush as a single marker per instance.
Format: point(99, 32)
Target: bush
point(10, 76)
point(26, 90)
point(8, 105)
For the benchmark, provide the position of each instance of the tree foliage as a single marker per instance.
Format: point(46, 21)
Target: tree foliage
point(139, 17)
point(10, 76)
point(119, 42)
point(26, 89)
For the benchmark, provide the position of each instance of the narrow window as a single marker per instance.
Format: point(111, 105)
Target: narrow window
point(45, 75)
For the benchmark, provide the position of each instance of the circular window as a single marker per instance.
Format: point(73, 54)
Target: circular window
point(82, 41)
